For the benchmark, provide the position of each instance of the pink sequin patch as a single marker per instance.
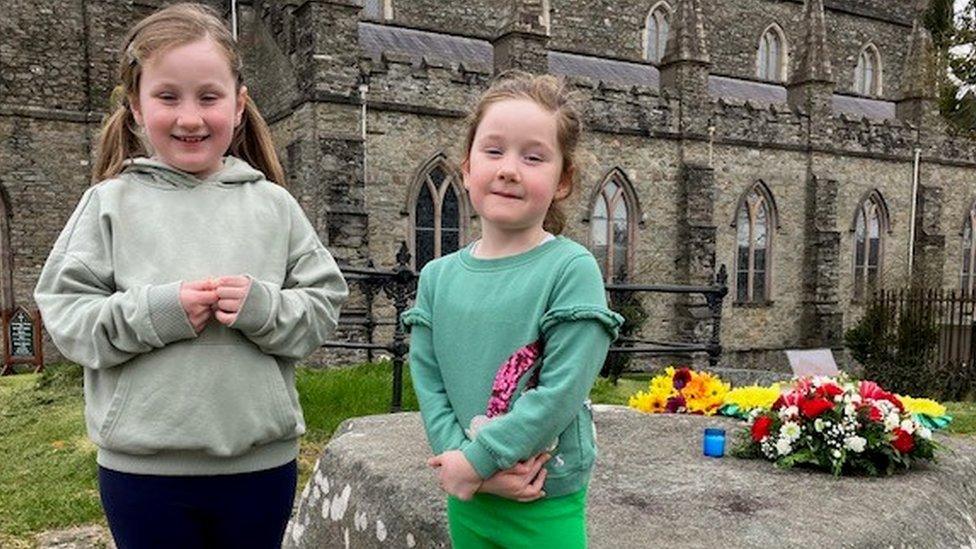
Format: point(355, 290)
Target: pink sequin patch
point(508, 376)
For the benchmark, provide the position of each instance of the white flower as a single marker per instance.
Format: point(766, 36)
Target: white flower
point(835, 453)
point(891, 421)
point(790, 430)
point(924, 432)
point(783, 446)
point(908, 426)
point(855, 443)
point(818, 425)
point(789, 411)
point(849, 409)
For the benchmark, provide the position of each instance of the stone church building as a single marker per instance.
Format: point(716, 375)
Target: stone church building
point(796, 142)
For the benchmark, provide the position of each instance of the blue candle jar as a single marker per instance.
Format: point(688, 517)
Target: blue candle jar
point(714, 443)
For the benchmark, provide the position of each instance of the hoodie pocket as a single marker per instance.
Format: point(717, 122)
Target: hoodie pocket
point(215, 398)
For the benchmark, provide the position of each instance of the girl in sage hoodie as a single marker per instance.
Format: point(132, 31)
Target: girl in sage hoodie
point(187, 284)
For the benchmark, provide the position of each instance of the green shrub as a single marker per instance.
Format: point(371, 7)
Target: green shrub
point(629, 306)
point(899, 349)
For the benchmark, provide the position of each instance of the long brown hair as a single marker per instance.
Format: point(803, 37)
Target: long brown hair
point(177, 25)
point(554, 95)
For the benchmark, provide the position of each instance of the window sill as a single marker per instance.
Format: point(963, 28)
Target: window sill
point(753, 304)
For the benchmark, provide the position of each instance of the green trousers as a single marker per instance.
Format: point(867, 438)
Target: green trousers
point(488, 521)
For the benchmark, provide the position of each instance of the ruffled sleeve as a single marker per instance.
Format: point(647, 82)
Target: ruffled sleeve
point(610, 320)
point(415, 316)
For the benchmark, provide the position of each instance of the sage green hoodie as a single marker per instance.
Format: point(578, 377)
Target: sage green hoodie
point(159, 398)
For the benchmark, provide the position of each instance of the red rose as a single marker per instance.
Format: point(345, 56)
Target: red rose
point(903, 442)
point(829, 391)
point(813, 407)
point(761, 428)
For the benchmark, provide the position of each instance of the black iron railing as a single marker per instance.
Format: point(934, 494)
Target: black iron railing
point(400, 286)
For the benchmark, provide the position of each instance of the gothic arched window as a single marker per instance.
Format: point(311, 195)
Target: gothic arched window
point(656, 28)
point(771, 59)
point(438, 212)
point(613, 220)
point(968, 274)
point(867, 75)
point(755, 219)
point(870, 224)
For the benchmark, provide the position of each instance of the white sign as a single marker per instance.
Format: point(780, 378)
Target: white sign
point(812, 362)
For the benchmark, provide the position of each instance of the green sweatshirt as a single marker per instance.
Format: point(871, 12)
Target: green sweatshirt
point(160, 399)
point(471, 315)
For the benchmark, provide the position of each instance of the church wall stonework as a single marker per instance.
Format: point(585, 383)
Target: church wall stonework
point(304, 67)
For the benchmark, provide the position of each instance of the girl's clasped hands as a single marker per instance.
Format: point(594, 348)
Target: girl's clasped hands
point(220, 298)
point(522, 482)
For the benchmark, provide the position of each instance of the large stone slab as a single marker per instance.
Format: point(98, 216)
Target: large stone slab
point(651, 488)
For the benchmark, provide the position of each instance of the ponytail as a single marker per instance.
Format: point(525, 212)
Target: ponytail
point(116, 143)
point(252, 143)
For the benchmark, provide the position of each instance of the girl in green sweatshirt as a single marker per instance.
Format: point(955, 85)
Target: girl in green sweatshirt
point(509, 333)
point(188, 284)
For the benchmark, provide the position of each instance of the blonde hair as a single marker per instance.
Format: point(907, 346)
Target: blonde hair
point(170, 27)
point(554, 95)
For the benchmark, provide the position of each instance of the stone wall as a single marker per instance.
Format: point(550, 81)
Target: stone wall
point(303, 64)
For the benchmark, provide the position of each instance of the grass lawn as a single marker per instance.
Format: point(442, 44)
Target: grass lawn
point(47, 464)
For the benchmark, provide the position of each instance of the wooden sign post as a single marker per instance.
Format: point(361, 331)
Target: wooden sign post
point(23, 334)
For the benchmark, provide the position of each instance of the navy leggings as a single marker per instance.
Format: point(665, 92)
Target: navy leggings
point(247, 510)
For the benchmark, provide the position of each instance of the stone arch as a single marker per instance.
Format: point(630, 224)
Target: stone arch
point(869, 72)
point(870, 225)
point(436, 180)
point(614, 192)
point(654, 36)
point(755, 221)
point(772, 54)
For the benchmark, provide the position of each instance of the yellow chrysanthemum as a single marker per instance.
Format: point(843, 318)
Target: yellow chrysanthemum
point(664, 382)
point(925, 406)
point(753, 396)
point(705, 393)
point(648, 402)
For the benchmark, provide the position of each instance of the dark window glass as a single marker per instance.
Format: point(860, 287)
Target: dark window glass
point(425, 208)
point(437, 176)
point(449, 240)
point(743, 259)
point(759, 285)
point(874, 244)
point(424, 246)
point(742, 286)
point(450, 216)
